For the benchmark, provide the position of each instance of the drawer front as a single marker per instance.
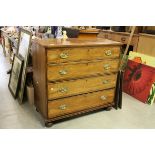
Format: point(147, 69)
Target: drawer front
point(80, 86)
point(124, 39)
point(78, 54)
point(121, 38)
point(78, 103)
point(71, 71)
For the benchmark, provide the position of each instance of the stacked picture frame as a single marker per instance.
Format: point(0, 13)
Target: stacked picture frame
point(18, 74)
point(15, 75)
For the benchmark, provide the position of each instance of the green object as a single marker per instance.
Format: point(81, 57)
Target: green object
point(124, 61)
point(151, 96)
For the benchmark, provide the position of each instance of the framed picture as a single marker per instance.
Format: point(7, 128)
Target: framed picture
point(24, 42)
point(23, 51)
point(15, 75)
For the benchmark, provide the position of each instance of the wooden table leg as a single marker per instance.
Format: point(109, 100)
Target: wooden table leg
point(3, 46)
point(10, 52)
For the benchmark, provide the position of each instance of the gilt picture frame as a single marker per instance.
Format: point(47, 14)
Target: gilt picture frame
point(15, 75)
point(24, 45)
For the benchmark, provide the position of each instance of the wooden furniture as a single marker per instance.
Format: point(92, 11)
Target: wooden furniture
point(146, 44)
point(9, 41)
point(12, 42)
point(74, 76)
point(120, 37)
point(88, 33)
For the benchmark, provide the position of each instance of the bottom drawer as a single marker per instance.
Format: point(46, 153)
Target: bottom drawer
point(81, 102)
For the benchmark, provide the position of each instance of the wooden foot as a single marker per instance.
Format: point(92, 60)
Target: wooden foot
point(37, 110)
point(48, 124)
point(108, 108)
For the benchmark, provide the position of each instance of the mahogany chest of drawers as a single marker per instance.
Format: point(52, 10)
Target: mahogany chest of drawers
point(74, 76)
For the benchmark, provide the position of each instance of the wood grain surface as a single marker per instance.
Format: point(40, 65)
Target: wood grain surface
point(80, 86)
point(79, 70)
point(79, 54)
point(80, 102)
point(75, 42)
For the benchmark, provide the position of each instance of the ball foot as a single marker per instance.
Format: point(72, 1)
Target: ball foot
point(48, 124)
point(108, 108)
point(37, 110)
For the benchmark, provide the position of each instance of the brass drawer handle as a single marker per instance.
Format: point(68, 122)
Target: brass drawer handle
point(105, 81)
point(103, 98)
point(63, 72)
point(64, 55)
point(63, 90)
point(108, 53)
point(63, 107)
point(107, 66)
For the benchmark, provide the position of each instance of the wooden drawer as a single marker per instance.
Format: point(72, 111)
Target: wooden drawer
point(77, 70)
point(74, 87)
point(109, 36)
point(81, 102)
point(106, 35)
point(78, 54)
point(121, 38)
point(124, 39)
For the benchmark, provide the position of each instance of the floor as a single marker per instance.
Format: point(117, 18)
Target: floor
point(134, 114)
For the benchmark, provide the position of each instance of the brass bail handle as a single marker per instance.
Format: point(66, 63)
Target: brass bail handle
point(63, 107)
point(64, 55)
point(108, 53)
point(105, 81)
point(63, 72)
point(106, 66)
point(63, 90)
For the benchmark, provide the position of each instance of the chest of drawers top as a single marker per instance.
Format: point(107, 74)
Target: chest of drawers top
point(75, 42)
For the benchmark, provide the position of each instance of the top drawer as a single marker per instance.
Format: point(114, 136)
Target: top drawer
point(78, 54)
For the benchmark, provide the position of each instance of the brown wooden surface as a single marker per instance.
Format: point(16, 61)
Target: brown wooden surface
point(83, 72)
point(9, 41)
point(81, 86)
point(3, 45)
point(39, 79)
point(75, 42)
point(121, 33)
point(79, 70)
point(146, 44)
point(78, 54)
point(90, 30)
point(122, 37)
point(88, 33)
point(80, 102)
